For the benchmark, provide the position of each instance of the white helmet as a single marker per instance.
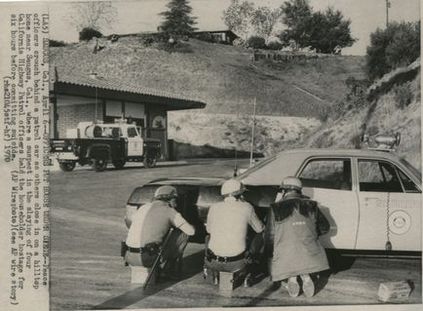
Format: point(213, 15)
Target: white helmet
point(291, 183)
point(232, 187)
point(165, 193)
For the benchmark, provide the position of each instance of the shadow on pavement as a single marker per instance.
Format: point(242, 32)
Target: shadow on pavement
point(267, 292)
point(192, 266)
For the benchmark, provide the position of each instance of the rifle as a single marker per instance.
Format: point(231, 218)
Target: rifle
point(157, 260)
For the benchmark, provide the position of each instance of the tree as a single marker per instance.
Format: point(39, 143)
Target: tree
point(324, 31)
point(296, 15)
point(178, 20)
point(86, 34)
point(329, 31)
point(397, 45)
point(238, 17)
point(264, 20)
point(94, 14)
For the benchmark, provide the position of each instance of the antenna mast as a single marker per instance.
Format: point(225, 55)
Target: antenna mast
point(253, 134)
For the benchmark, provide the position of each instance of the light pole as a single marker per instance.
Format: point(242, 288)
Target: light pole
point(388, 6)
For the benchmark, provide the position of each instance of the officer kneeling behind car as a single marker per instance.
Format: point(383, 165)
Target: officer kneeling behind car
point(293, 226)
point(149, 227)
point(227, 224)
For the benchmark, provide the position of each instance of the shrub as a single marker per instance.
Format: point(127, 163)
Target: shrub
point(88, 33)
point(55, 43)
point(402, 95)
point(274, 45)
point(256, 42)
point(397, 45)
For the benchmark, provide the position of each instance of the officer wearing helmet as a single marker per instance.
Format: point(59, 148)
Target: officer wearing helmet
point(293, 227)
point(227, 224)
point(149, 227)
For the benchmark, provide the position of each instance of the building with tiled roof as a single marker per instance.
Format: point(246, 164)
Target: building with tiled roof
point(88, 85)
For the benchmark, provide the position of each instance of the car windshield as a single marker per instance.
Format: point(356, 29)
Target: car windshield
point(142, 195)
point(412, 168)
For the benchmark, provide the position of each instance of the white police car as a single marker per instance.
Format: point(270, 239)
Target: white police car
point(372, 198)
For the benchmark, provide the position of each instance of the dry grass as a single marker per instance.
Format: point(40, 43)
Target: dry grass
point(222, 76)
point(382, 116)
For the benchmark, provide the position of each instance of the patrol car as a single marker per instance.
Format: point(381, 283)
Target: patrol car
point(372, 198)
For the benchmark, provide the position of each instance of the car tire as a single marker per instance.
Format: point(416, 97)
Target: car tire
point(150, 162)
point(67, 166)
point(99, 165)
point(119, 164)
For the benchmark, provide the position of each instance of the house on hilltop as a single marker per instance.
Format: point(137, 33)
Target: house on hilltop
point(97, 87)
point(224, 36)
point(219, 36)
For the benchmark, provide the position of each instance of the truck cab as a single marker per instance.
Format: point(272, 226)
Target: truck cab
point(130, 132)
point(100, 143)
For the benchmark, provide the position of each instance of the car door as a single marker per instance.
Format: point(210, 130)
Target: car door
point(390, 207)
point(328, 181)
point(135, 142)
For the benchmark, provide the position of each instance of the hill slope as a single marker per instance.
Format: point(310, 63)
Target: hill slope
point(395, 108)
point(223, 76)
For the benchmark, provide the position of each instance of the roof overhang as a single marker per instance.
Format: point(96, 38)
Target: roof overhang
point(113, 91)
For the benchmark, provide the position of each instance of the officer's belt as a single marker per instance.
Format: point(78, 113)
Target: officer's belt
point(141, 250)
point(212, 256)
point(136, 249)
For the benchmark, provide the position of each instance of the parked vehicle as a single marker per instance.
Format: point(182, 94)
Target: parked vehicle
point(99, 144)
point(372, 198)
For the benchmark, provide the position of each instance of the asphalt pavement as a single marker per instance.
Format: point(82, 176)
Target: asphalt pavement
point(87, 272)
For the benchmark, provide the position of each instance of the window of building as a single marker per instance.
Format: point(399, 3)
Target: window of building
point(114, 108)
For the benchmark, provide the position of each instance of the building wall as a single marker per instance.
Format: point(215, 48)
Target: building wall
point(70, 115)
point(155, 113)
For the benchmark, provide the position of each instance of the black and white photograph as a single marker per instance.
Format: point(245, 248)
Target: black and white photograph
point(231, 153)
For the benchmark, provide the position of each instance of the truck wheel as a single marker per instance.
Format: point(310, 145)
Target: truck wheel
point(149, 162)
point(67, 166)
point(99, 165)
point(119, 164)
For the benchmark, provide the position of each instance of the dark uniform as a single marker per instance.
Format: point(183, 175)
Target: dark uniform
point(293, 228)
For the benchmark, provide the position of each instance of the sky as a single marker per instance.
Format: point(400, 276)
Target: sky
point(143, 15)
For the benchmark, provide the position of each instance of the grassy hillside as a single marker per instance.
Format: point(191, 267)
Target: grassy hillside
point(225, 77)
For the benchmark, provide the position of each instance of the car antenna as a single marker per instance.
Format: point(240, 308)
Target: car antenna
point(253, 134)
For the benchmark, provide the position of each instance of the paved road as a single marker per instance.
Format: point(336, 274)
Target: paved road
point(87, 210)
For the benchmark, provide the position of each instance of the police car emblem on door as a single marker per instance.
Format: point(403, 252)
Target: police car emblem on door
point(399, 222)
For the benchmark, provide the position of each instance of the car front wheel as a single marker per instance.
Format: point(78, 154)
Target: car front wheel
point(119, 164)
point(149, 162)
point(67, 166)
point(99, 165)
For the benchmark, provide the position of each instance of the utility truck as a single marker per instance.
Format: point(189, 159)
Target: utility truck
point(98, 144)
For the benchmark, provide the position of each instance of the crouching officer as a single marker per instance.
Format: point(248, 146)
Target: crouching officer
point(149, 227)
point(292, 234)
point(227, 224)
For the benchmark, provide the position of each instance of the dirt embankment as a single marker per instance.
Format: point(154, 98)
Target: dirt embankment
point(392, 105)
point(232, 131)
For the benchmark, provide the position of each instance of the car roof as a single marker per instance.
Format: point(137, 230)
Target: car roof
point(343, 153)
point(287, 163)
